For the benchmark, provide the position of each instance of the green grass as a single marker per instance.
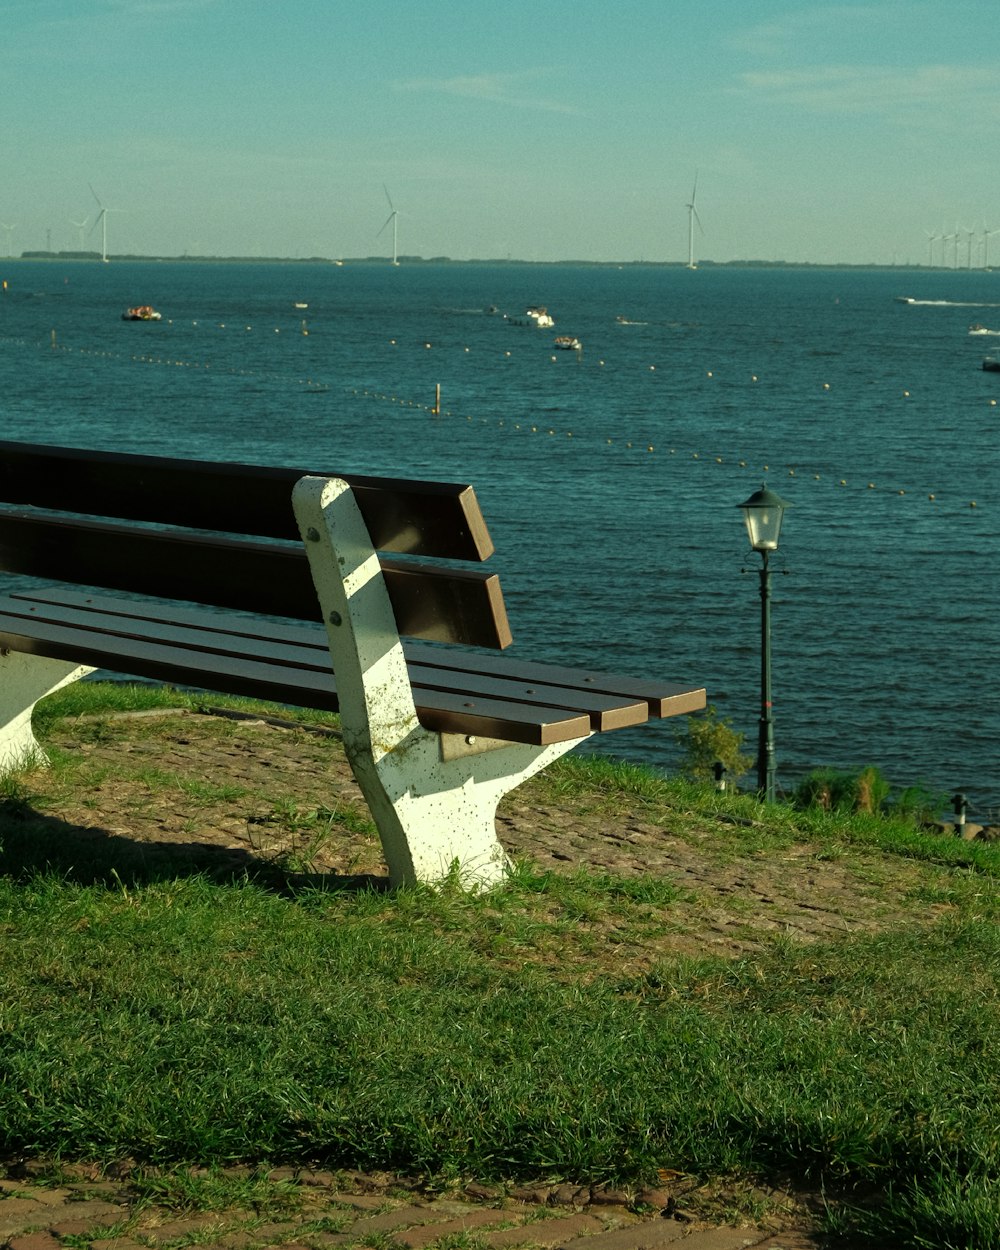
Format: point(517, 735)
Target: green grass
point(183, 1020)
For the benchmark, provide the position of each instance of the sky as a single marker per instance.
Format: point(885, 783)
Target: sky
point(804, 132)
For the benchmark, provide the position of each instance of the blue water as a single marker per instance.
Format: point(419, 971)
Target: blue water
point(610, 477)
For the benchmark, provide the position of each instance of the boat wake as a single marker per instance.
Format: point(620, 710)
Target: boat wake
point(944, 303)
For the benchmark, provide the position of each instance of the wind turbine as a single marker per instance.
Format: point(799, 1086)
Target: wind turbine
point(931, 240)
point(79, 225)
point(692, 218)
point(986, 246)
point(10, 230)
point(102, 220)
point(393, 214)
point(968, 232)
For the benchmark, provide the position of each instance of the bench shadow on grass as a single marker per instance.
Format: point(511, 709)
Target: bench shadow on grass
point(33, 844)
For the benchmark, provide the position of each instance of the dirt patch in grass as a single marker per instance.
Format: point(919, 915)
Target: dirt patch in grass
point(236, 793)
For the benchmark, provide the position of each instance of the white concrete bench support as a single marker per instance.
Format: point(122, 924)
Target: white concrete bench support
point(433, 796)
point(24, 679)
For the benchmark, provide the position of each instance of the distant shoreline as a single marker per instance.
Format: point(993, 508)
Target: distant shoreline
point(92, 257)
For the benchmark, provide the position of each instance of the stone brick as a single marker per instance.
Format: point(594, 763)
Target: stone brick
point(96, 1214)
point(359, 1202)
point(389, 1221)
point(34, 1241)
point(425, 1234)
point(639, 1235)
point(544, 1232)
point(723, 1239)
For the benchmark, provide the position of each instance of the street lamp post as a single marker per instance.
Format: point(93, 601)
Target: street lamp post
point(762, 513)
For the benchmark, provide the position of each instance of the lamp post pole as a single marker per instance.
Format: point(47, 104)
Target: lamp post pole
point(762, 513)
point(765, 729)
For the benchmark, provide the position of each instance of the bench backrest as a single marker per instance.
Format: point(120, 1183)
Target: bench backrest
point(225, 535)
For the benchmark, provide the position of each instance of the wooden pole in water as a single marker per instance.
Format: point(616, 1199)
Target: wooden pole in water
point(436, 411)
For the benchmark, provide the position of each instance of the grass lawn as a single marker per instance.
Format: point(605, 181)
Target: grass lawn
point(574, 1025)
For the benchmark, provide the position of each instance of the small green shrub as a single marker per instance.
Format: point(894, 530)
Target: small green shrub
point(706, 738)
point(867, 790)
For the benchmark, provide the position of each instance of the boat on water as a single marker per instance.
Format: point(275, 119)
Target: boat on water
point(540, 316)
point(976, 328)
point(991, 364)
point(568, 343)
point(141, 312)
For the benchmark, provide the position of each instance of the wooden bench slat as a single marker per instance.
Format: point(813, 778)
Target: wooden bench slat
point(661, 699)
point(237, 674)
point(309, 651)
point(431, 602)
point(439, 519)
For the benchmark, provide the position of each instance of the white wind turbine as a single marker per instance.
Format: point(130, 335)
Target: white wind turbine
point(10, 230)
point(931, 240)
point(102, 221)
point(986, 246)
point(969, 235)
point(393, 214)
point(692, 218)
point(79, 225)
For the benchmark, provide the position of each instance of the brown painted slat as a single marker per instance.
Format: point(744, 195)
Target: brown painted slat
point(662, 699)
point(434, 602)
point(215, 635)
point(180, 665)
point(440, 519)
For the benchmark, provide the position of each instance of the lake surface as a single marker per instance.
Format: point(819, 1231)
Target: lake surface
point(610, 477)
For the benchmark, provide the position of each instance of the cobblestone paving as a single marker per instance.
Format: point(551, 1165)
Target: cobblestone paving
point(86, 1209)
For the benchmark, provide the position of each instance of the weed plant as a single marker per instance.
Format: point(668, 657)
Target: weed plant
point(178, 1019)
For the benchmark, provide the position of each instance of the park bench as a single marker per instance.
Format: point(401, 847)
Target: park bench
point(249, 580)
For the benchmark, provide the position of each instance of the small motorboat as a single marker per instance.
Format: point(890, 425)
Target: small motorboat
point(976, 328)
point(142, 312)
point(540, 317)
point(991, 364)
point(568, 343)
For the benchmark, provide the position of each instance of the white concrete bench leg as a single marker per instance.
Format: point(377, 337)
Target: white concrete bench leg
point(24, 679)
point(433, 797)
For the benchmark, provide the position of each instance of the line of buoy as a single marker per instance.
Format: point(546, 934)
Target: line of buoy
point(628, 444)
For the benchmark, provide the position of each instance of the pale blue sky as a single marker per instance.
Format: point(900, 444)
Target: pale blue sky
point(823, 132)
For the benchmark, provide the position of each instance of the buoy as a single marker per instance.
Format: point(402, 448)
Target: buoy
point(871, 485)
point(972, 504)
point(843, 482)
point(753, 377)
point(931, 497)
point(709, 374)
point(906, 394)
point(826, 386)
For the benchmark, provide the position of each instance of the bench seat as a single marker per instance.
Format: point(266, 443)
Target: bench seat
point(462, 692)
point(345, 593)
